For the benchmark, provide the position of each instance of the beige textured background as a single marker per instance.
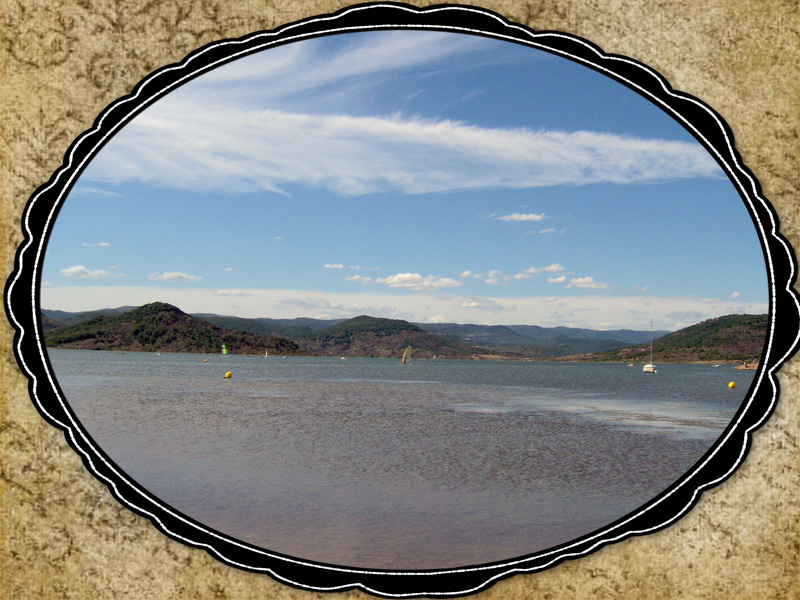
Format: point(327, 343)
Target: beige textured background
point(62, 61)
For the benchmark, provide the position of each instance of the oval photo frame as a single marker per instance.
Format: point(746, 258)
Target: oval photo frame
point(23, 304)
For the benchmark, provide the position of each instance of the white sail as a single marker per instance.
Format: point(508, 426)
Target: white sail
point(650, 367)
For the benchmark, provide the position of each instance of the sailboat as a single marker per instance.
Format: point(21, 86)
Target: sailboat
point(406, 355)
point(266, 353)
point(224, 350)
point(650, 367)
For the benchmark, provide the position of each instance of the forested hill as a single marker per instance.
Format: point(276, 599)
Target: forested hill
point(163, 327)
point(380, 338)
point(732, 338)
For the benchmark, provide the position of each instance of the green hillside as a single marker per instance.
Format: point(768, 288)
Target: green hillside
point(262, 326)
point(732, 338)
point(163, 327)
point(379, 338)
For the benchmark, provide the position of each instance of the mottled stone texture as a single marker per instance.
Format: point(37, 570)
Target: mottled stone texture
point(63, 61)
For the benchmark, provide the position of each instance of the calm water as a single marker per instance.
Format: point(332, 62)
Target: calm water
point(369, 463)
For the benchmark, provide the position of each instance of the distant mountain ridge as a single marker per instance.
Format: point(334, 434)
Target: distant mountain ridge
point(523, 341)
point(160, 326)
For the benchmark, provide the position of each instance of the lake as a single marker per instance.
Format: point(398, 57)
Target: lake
point(370, 463)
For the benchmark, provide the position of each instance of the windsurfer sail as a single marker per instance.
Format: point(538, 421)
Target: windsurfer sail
point(224, 350)
point(406, 355)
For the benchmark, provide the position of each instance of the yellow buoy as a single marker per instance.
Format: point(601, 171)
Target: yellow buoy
point(228, 375)
point(732, 384)
point(204, 360)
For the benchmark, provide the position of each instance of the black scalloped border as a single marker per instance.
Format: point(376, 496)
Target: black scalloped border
point(22, 303)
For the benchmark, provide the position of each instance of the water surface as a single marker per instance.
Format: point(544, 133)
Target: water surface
point(370, 463)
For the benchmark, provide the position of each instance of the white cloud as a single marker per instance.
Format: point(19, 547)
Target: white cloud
point(637, 289)
point(549, 230)
point(81, 272)
point(360, 268)
point(437, 319)
point(336, 266)
point(531, 271)
point(623, 311)
point(735, 295)
point(484, 304)
point(522, 217)
point(587, 283)
point(190, 140)
point(96, 191)
point(554, 268)
point(561, 279)
point(417, 282)
point(308, 303)
point(496, 278)
point(465, 274)
point(358, 278)
point(173, 276)
point(229, 269)
point(97, 245)
point(232, 293)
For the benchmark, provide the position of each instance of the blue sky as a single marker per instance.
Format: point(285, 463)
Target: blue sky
point(407, 174)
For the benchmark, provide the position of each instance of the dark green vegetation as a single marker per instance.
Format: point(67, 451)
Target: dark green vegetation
point(283, 327)
point(732, 338)
point(380, 338)
point(163, 327)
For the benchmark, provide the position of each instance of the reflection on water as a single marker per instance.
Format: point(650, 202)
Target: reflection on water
point(369, 463)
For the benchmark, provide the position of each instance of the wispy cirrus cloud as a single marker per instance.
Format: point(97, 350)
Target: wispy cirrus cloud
point(334, 266)
point(231, 292)
point(96, 245)
point(173, 276)
point(81, 272)
point(522, 217)
point(267, 122)
point(96, 191)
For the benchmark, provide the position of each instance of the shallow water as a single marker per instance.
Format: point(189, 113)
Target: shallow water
point(369, 463)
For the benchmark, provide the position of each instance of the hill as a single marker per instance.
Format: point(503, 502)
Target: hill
point(514, 341)
point(163, 327)
point(732, 338)
point(539, 342)
point(379, 338)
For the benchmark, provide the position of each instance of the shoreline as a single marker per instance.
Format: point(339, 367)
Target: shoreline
point(484, 357)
